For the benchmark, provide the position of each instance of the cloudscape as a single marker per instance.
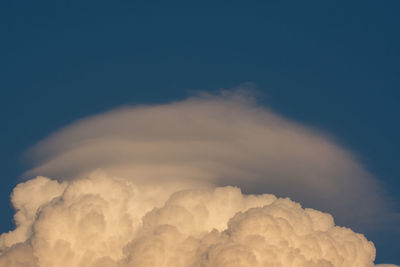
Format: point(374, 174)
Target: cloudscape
point(213, 180)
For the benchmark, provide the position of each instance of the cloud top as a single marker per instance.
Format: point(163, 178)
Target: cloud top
point(224, 139)
point(159, 186)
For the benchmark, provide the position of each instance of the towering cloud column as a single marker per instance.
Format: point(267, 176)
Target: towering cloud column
point(159, 186)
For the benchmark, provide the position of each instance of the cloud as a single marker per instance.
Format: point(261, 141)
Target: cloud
point(162, 185)
point(209, 140)
point(108, 221)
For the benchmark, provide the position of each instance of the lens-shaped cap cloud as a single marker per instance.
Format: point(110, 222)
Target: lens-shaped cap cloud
point(224, 139)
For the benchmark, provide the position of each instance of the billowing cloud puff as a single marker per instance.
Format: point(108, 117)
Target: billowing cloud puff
point(159, 186)
point(217, 140)
point(109, 221)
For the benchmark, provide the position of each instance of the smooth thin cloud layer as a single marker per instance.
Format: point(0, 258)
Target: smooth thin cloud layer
point(109, 221)
point(217, 140)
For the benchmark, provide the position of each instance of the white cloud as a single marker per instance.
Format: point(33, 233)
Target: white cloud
point(109, 221)
point(159, 186)
point(217, 140)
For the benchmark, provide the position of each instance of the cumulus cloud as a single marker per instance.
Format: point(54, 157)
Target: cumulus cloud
point(108, 221)
point(162, 185)
point(224, 139)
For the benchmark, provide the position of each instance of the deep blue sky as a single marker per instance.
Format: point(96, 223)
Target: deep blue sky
point(333, 65)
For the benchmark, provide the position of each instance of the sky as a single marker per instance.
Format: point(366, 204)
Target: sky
point(332, 66)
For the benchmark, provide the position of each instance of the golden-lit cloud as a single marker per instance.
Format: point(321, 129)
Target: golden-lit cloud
point(162, 185)
point(109, 221)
